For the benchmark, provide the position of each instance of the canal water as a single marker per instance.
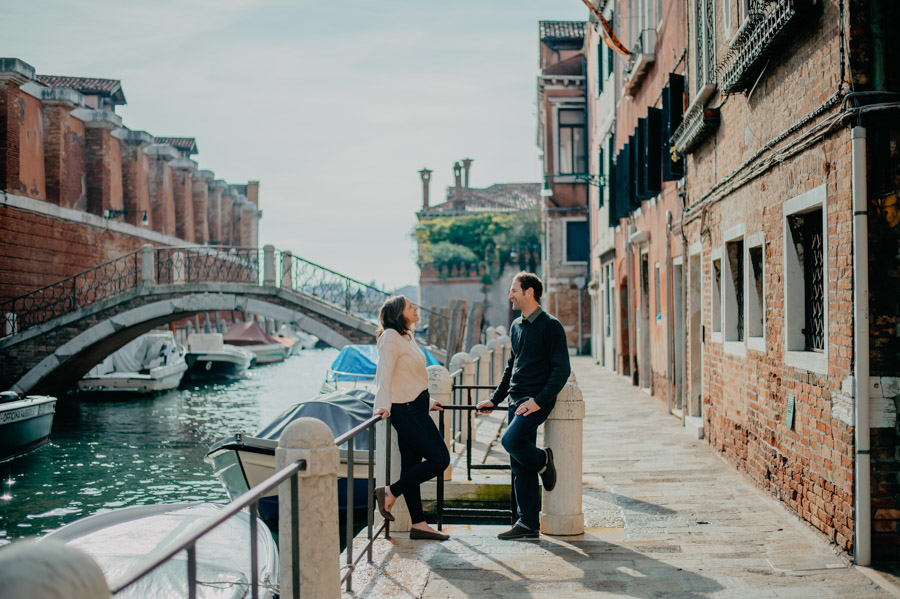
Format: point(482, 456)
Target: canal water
point(121, 451)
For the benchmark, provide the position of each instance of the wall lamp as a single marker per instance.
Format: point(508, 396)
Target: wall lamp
point(114, 213)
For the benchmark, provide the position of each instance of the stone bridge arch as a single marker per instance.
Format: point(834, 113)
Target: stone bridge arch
point(54, 355)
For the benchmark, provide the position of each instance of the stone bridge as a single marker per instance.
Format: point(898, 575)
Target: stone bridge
point(58, 333)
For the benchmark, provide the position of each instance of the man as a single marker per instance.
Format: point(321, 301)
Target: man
point(537, 370)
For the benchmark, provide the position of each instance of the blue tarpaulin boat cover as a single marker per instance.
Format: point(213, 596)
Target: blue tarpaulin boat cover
point(341, 411)
point(361, 360)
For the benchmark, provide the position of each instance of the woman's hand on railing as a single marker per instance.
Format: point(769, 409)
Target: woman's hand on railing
point(383, 412)
point(436, 406)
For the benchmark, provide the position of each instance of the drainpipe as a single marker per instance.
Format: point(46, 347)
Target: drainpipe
point(863, 493)
point(632, 358)
point(670, 319)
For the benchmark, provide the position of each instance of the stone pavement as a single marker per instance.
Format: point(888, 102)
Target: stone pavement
point(665, 517)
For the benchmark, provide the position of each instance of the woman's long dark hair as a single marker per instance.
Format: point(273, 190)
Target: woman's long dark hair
point(391, 316)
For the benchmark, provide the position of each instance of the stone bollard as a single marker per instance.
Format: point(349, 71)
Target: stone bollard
point(287, 270)
point(482, 370)
point(464, 361)
point(501, 330)
point(561, 508)
point(440, 389)
point(490, 334)
point(310, 439)
point(49, 570)
point(148, 267)
point(269, 265)
point(495, 361)
point(506, 344)
point(401, 521)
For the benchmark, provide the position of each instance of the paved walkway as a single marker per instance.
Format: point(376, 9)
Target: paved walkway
point(665, 517)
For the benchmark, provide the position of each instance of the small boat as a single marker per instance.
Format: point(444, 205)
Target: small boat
point(151, 363)
point(123, 540)
point(354, 368)
point(243, 461)
point(24, 422)
point(251, 337)
point(209, 357)
point(301, 339)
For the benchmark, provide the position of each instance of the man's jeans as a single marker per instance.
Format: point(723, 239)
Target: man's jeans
point(519, 440)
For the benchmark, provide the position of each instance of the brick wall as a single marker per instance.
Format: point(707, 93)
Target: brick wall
point(183, 198)
point(135, 187)
point(9, 135)
point(200, 199)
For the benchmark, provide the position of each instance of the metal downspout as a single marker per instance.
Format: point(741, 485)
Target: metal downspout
point(670, 318)
point(862, 500)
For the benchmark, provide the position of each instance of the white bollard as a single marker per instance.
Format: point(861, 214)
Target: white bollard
point(482, 370)
point(501, 330)
point(148, 268)
point(467, 364)
point(495, 361)
point(490, 334)
point(506, 344)
point(49, 570)
point(310, 439)
point(269, 265)
point(400, 513)
point(561, 512)
point(440, 389)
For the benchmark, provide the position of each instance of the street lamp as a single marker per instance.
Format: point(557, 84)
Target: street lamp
point(112, 213)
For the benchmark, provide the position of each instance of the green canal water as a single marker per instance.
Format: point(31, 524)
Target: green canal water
point(121, 451)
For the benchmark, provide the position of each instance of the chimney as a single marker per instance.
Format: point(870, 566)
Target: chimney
point(426, 179)
point(467, 164)
point(458, 200)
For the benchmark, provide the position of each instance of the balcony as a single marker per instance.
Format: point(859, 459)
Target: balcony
point(642, 56)
point(698, 123)
point(765, 31)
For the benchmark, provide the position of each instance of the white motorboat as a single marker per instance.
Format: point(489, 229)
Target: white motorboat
point(209, 357)
point(250, 336)
point(151, 363)
point(354, 368)
point(24, 422)
point(122, 541)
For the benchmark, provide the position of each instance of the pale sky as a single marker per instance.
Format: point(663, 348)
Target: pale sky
point(332, 105)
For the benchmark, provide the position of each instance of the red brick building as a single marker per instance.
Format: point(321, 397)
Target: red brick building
point(77, 188)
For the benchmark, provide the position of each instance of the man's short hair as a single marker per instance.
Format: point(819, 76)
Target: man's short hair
point(529, 280)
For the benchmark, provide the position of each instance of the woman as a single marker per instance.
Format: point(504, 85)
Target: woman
point(401, 383)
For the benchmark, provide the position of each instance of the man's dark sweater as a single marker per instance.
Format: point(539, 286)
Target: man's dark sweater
point(538, 364)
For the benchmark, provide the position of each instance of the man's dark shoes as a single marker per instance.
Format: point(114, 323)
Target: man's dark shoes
point(415, 533)
point(548, 475)
point(379, 497)
point(518, 532)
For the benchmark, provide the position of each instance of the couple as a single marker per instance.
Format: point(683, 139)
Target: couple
point(537, 370)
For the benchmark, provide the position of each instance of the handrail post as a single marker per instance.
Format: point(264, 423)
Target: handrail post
point(401, 521)
point(318, 546)
point(561, 512)
point(287, 266)
point(148, 270)
point(269, 265)
point(483, 372)
point(463, 361)
point(46, 569)
point(440, 388)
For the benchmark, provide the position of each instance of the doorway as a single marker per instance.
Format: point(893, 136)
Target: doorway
point(695, 339)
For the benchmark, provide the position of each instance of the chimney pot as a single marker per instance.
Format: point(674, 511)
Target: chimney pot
point(467, 164)
point(425, 174)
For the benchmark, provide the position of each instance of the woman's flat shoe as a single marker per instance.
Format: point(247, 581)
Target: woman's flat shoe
point(415, 533)
point(379, 497)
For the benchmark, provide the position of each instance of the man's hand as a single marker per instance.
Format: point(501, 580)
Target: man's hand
point(527, 407)
point(485, 407)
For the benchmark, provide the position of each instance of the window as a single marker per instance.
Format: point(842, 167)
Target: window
point(704, 49)
point(805, 284)
point(610, 56)
point(726, 16)
point(572, 152)
point(755, 296)
point(601, 74)
point(577, 242)
point(717, 295)
point(601, 173)
point(658, 305)
point(733, 290)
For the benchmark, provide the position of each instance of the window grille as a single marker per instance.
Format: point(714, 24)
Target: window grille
point(736, 263)
point(756, 312)
point(807, 234)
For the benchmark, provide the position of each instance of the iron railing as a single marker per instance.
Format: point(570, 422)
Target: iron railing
point(183, 265)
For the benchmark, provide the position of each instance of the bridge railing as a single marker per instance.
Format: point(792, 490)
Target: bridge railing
point(177, 265)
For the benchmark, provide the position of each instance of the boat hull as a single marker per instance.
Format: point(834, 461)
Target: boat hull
point(25, 425)
point(217, 365)
point(159, 379)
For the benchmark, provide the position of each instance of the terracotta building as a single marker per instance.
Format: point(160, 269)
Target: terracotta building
point(78, 188)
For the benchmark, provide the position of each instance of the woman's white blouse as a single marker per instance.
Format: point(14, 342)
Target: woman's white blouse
point(401, 374)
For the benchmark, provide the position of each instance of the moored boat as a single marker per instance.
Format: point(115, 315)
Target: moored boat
point(250, 336)
point(208, 357)
point(151, 363)
point(354, 368)
point(123, 540)
point(242, 461)
point(25, 422)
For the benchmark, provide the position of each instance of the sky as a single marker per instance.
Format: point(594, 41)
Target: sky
point(333, 106)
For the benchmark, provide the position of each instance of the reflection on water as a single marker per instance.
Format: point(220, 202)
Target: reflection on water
point(116, 452)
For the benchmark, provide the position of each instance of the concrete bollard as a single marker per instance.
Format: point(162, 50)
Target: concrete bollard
point(561, 512)
point(310, 439)
point(467, 364)
point(50, 570)
point(148, 267)
point(440, 389)
point(482, 370)
point(495, 361)
point(490, 334)
point(400, 512)
point(269, 265)
point(501, 330)
point(287, 270)
point(506, 344)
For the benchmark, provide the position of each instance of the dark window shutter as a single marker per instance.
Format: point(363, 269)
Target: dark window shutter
point(652, 157)
point(637, 155)
point(600, 181)
point(601, 73)
point(673, 113)
point(578, 243)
